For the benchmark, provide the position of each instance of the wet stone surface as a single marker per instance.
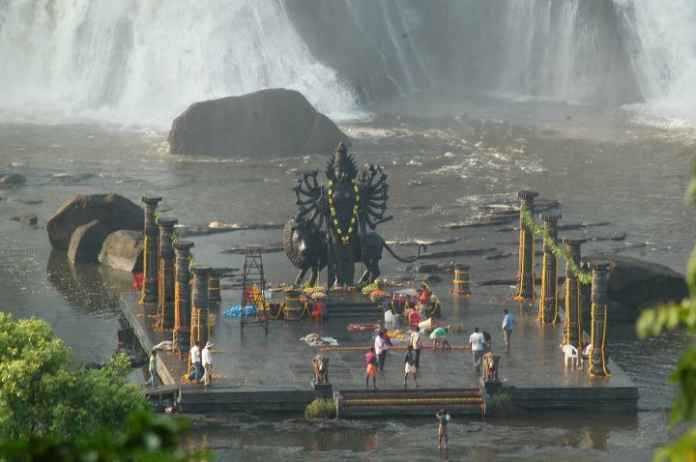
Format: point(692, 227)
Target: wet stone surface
point(248, 359)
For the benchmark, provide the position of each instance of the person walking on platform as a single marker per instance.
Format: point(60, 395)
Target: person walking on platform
point(477, 347)
point(416, 341)
point(508, 324)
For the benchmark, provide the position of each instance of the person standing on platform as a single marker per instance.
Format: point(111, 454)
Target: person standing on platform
point(508, 324)
point(371, 368)
point(414, 318)
point(207, 364)
point(195, 355)
point(487, 342)
point(477, 347)
point(416, 341)
point(381, 347)
point(152, 369)
point(410, 366)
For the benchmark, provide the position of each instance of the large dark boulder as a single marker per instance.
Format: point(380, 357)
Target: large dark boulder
point(123, 250)
point(275, 122)
point(635, 284)
point(111, 210)
point(86, 242)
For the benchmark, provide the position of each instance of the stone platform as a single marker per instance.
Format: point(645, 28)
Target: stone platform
point(253, 370)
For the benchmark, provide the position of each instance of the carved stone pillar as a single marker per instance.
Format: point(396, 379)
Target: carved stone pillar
point(199, 314)
point(598, 334)
point(149, 289)
point(525, 269)
point(572, 323)
point(548, 301)
point(182, 297)
point(166, 273)
point(214, 286)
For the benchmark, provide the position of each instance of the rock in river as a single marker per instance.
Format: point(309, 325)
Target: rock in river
point(86, 242)
point(11, 180)
point(111, 210)
point(123, 250)
point(273, 122)
point(635, 284)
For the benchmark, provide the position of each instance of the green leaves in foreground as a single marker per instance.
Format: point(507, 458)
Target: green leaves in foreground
point(667, 317)
point(42, 393)
point(146, 438)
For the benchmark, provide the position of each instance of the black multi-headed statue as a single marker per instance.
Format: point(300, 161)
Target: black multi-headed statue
point(335, 222)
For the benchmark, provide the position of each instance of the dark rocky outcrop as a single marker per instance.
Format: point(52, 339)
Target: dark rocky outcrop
point(111, 210)
point(123, 250)
point(86, 242)
point(274, 122)
point(636, 284)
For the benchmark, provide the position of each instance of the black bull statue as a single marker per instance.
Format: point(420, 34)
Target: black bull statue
point(306, 248)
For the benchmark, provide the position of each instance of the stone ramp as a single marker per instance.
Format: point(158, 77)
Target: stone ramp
point(415, 402)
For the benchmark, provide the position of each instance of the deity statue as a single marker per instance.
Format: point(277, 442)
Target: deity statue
point(346, 209)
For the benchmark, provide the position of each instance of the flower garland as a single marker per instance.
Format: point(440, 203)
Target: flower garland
point(538, 230)
point(344, 235)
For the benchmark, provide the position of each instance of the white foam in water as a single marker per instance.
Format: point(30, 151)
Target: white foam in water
point(144, 61)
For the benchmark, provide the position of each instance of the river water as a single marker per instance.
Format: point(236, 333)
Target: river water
point(444, 161)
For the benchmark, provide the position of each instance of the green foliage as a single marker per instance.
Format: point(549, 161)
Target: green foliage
point(500, 404)
point(668, 317)
point(41, 394)
point(321, 409)
point(144, 438)
point(558, 251)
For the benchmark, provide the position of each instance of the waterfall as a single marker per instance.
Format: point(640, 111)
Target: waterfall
point(559, 50)
point(662, 49)
point(143, 61)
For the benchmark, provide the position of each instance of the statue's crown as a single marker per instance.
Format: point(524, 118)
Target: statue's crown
point(341, 153)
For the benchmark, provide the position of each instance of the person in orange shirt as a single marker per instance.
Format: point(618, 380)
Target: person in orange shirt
point(371, 368)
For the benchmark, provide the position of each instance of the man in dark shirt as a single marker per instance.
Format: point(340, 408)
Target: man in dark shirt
point(410, 366)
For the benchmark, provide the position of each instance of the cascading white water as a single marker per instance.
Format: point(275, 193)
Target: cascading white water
point(143, 61)
point(551, 51)
point(662, 49)
point(567, 51)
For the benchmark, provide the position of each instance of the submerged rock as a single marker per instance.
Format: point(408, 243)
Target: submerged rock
point(274, 122)
point(123, 250)
point(111, 210)
point(86, 242)
point(28, 219)
point(11, 180)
